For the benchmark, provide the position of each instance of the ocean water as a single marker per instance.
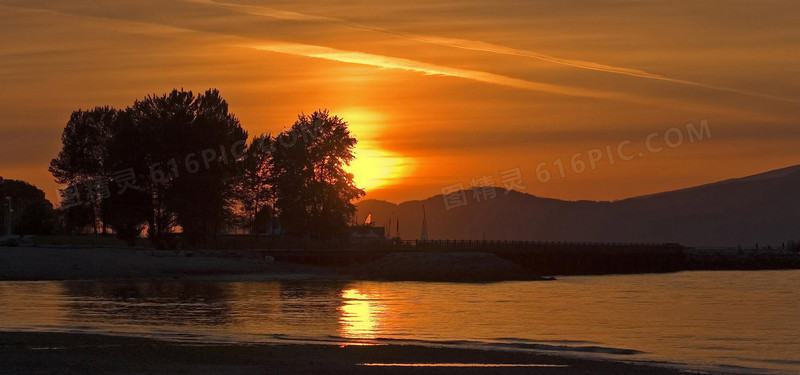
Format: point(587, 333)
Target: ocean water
point(730, 320)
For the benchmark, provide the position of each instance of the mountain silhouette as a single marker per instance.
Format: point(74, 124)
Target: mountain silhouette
point(763, 209)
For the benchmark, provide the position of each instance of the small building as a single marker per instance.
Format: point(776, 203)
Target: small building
point(367, 233)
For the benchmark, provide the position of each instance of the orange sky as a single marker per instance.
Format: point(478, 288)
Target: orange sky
point(438, 94)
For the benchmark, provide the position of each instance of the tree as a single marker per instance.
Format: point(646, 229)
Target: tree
point(131, 207)
point(314, 194)
point(97, 145)
point(191, 147)
point(172, 160)
point(31, 213)
point(85, 143)
point(83, 159)
point(253, 190)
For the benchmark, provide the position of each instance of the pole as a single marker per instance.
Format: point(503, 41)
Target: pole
point(8, 216)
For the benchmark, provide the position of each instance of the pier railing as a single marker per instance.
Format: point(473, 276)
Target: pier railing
point(481, 245)
point(244, 242)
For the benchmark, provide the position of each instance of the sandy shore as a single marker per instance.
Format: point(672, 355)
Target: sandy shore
point(64, 353)
point(103, 263)
point(60, 263)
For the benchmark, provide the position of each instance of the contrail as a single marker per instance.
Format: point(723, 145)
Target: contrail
point(498, 49)
point(482, 47)
point(389, 62)
point(361, 58)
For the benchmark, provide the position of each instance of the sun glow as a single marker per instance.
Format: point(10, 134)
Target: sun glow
point(373, 167)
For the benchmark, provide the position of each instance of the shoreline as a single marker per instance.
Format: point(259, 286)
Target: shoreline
point(62, 263)
point(109, 263)
point(69, 353)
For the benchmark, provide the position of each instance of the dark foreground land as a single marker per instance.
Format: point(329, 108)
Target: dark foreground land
point(65, 353)
point(65, 263)
point(86, 263)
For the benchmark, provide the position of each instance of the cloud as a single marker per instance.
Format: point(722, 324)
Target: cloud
point(267, 12)
point(389, 62)
point(353, 57)
point(484, 47)
point(499, 49)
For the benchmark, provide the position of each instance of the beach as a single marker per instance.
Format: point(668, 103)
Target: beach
point(72, 263)
point(118, 263)
point(64, 353)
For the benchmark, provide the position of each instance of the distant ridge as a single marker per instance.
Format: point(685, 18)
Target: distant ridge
point(776, 173)
point(762, 208)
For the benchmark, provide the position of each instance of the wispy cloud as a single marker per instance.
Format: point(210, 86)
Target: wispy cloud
point(389, 62)
point(268, 12)
point(475, 45)
point(354, 57)
point(499, 49)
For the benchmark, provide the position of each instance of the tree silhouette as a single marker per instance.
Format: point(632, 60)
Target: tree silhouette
point(32, 213)
point(314, 194)
point(83, 159)
point(170, 159)
point(189, 144)
point(254, 190)
point(182, 160)
point(128, 211)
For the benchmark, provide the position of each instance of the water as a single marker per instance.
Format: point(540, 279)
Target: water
point(747, 319)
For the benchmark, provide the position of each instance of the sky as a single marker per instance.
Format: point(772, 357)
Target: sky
point(569, 100)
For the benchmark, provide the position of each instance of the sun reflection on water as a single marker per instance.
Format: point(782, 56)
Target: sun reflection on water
point(360, 316)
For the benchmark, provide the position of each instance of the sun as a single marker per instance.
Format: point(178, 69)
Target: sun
point(373, 167)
